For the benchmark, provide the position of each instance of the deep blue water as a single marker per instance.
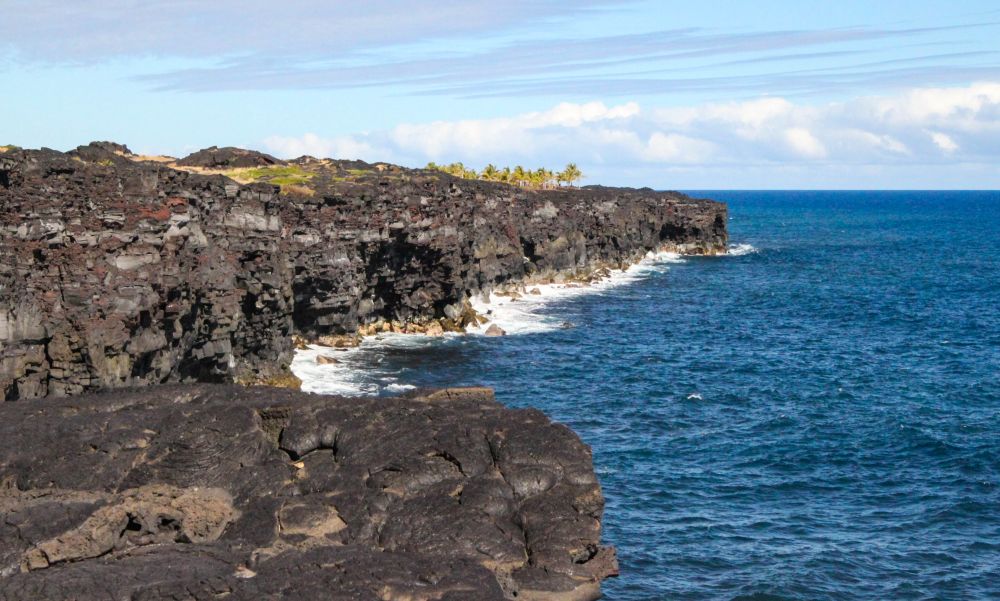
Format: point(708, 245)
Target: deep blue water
point(846, 442)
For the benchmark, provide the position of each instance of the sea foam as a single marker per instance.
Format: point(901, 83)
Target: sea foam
point(737, 250)
point(528, 314)
point(358, 371)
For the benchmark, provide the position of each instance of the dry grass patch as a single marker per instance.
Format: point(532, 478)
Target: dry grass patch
point(142, 158)
point(297, 190)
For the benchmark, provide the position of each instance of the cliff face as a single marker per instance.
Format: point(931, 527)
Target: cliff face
point(200, 492)
point(116, 271)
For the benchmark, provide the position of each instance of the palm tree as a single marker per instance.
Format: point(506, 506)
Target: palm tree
point(519, 175)
point(490, 173)
point(571, 174)
point(542, 177)
point(547, 178)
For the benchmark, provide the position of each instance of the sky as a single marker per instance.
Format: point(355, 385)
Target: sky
point(773, 94)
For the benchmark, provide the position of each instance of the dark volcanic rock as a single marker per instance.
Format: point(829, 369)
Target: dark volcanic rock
point(115, 272)
point(209, 491)
point(228, 158)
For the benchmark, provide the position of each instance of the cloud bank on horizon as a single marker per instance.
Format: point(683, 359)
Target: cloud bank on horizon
point(764, 94)
point(946, 126)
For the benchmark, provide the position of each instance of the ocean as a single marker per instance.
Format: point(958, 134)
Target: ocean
point(814, 417)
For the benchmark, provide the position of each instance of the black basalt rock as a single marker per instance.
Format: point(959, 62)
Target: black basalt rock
point(207, 491)
point(117, 271)
point(228, 158)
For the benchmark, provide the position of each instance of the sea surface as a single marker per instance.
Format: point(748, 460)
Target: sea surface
point(814, 417)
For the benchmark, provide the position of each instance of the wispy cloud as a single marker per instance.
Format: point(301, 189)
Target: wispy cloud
point(512, 48)
point(94, 30)
point(942, 126)
point(623, 65)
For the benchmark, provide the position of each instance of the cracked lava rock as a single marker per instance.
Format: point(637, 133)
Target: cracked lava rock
point(218, 491)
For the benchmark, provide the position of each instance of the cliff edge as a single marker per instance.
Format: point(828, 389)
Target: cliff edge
point(203, 492)
point(118, 270)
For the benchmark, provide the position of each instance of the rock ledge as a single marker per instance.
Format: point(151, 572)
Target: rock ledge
point(209, 491)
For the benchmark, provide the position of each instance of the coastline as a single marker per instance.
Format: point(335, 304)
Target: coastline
point(162, 287)
point(517, 309)
point(119, 271)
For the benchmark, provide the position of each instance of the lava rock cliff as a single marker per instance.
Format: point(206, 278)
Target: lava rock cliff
point(118, 270)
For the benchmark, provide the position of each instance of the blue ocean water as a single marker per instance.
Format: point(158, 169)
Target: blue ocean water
point(819, 419)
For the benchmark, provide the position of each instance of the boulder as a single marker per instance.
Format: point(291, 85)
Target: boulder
point(228, 158)
point(495, 330)
point(434, 328)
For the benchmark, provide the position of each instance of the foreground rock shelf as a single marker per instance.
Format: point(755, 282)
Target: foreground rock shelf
point(119, 270)
point(215, 491)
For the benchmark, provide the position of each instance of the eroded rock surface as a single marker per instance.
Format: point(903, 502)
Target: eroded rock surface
point(212, 491)
point(117, 271)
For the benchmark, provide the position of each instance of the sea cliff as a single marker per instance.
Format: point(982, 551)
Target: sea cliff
point(162, 282)
point(118, 270)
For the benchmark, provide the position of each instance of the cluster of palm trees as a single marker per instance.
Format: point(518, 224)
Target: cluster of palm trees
point(518, 176)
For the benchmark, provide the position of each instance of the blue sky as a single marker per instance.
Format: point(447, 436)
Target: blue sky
point(686, 95)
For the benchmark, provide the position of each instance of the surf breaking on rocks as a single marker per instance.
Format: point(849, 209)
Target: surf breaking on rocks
point(364, 371)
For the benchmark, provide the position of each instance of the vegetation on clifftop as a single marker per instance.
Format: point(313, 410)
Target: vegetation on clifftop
point(518, 176)
point(278, 175)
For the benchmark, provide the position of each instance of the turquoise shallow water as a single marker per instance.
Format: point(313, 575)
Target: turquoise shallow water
point(819, 419)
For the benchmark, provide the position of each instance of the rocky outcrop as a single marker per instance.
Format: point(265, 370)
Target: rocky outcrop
point(116, 271)
point(228, 157)
point(210, 491)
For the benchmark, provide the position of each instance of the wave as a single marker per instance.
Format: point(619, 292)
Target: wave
point(738, 250)
point(356, 370)
point(347, 377)
point(526, 314)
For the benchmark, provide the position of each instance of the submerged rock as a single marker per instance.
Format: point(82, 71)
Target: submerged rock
point(208, 491)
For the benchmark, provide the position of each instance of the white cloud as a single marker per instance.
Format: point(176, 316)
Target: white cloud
point(804, 143)
point(947, 126)
point(345, 147)
point(944, 142)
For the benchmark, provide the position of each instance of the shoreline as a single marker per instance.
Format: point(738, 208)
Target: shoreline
point(518, 309)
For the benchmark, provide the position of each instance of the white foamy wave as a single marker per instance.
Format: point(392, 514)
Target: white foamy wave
point(399, 387)
point(346, 377)
point(527, 315)
point(737, 250)
point(357, 371)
